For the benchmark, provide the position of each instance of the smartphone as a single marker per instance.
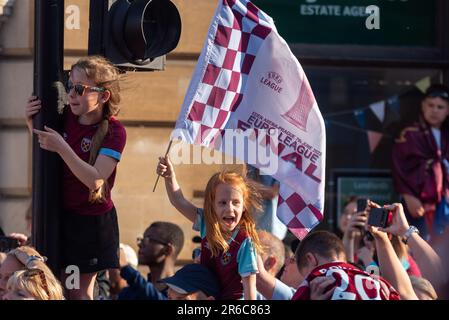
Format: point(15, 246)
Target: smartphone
point(380, 217)
point(361, 204)
point(7, 244)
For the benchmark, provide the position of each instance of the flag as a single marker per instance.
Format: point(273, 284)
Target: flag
point(360, 116)
point(248, 79)
point(394, 104)
point(378, 109)
point(423, 84)
point(373, 139)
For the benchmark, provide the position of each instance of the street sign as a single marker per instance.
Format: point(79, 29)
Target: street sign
point(377, 189)
point(401, 22)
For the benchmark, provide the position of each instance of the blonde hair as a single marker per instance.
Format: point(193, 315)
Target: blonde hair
point(38, 283)
point(252, 200)
point(105, 75)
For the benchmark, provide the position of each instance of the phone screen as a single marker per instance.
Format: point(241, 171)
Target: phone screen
point(378, 217)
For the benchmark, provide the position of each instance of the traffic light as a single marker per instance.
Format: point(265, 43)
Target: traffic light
point(134, 34)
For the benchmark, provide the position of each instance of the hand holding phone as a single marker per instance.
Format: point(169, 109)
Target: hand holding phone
point(362, 203)
point(380, 217)
point(8, 243)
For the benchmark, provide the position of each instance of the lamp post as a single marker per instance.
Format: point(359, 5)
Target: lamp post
point(48, 68)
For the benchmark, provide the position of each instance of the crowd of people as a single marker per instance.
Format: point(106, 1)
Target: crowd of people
point(237, 259)
point(320, 267)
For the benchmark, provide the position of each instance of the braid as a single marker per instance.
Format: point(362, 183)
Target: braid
point(99, 194)
point(105, 75)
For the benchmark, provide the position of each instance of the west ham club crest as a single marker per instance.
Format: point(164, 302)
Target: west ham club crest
point(85, 144)
point(225, 258)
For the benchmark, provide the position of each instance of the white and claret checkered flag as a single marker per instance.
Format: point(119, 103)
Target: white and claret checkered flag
point(247, 78)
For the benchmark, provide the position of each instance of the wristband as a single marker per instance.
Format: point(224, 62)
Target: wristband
point(408, 233)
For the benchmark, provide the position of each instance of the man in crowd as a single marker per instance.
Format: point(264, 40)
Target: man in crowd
point(269, 264)
point(321, 259)
point(159, 248)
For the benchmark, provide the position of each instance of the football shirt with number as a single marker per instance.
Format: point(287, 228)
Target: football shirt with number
point(350, 283)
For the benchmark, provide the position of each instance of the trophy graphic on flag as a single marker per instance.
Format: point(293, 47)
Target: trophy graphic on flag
point(243, 43)
point(300, 111)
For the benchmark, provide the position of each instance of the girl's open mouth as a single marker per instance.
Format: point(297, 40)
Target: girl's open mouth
point(229, 220)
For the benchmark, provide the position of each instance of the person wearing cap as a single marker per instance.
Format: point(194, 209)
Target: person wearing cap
point(421, 167)
point(193, 282)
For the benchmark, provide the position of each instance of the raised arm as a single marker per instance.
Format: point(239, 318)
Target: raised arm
point(390, 266)
point(249, 287)
point(427, 259)
point(265, 282)
point(177, 199)
point(356, 224)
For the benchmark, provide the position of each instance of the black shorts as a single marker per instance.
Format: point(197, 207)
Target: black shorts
point(90, 242)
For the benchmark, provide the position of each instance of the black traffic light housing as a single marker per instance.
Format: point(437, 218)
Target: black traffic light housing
point(134, 34)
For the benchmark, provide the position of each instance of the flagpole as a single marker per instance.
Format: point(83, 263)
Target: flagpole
point(158, 176)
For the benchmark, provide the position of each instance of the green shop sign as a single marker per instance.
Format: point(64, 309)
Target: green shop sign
point(400, 22)
point(378, 189)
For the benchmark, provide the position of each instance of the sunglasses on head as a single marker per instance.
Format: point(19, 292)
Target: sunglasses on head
point(80, 88)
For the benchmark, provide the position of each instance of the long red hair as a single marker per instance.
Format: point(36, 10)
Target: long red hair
point(252, 202)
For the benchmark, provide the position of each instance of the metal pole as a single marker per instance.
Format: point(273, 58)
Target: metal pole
point(48, 67)
point(97, 16)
